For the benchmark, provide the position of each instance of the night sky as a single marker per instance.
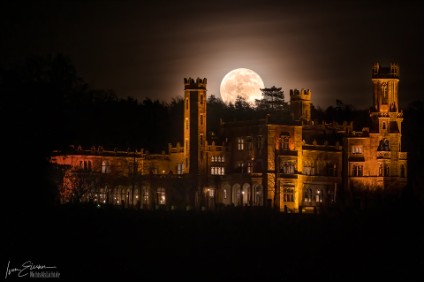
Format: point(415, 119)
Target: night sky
point(145, 48)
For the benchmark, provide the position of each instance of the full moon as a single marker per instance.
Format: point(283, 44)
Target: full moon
point(241, 82)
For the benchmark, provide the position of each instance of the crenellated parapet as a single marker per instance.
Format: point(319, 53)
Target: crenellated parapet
point(303, 94)
point(199, 83)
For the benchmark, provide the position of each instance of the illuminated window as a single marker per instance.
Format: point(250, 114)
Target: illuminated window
point(217, 170)
point(249, 167)
point(307, 197)
point(318, 196)
point(225, 193)
point(240, 144)
point(145, 195)
point(161, 198)
point(105, 167)
point(180, 168)
point(85, 165)
point(357, 149)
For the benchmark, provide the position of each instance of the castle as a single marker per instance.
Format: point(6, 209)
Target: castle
point(296, 167)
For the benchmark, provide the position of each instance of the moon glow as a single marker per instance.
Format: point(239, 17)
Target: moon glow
point(241, 82)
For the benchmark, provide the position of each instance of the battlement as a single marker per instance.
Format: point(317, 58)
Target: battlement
point(303, 94)
point(391, 71)
point(190, 83)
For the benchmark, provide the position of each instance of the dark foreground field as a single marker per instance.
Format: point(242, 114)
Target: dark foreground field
point(88, 244)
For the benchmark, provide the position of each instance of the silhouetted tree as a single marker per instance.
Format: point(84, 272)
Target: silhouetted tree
point(273, 100)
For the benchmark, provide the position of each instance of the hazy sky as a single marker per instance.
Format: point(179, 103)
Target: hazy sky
point(146, 48)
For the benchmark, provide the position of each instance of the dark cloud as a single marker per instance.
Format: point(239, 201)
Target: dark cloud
point(146, 48)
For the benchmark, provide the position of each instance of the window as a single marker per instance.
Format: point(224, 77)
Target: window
point(357, 170)
point(380, 170)
point(357, 149)
point(331, 169)
point(145, 195)
point(225, 193)
point(201, 139)
point(384, 145)
point(105, 167)
point(186, 104)
point(318, 196)
point(307, 168)
point(307, 197)
point(217, 170)
point(161, 199)
point(132, 167)
point(240, 144)
point(249, 167)
point(331, 192)
point(285, 143)
point(201, 119)
point(201, 99)
point(288, 167)
point(85, 165)
point(259, 141)
point(288, 194)
point(180, 168)
point(186, 123)
point(386, 170)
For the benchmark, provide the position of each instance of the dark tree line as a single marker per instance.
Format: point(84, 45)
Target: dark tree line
point(47, 106)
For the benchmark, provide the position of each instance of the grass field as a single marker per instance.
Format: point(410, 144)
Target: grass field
point(95, 244)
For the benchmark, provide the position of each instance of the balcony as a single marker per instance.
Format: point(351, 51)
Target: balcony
point(384, 155)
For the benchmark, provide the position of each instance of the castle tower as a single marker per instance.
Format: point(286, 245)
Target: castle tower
point(300, 103)
point(388, 162)
point(194, 125)
point(385, 115)
point(385, 87)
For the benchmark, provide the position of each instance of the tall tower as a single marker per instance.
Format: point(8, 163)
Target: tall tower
point(389, 162)
point(300, 103)
point(194, 125)
point(385, 115)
